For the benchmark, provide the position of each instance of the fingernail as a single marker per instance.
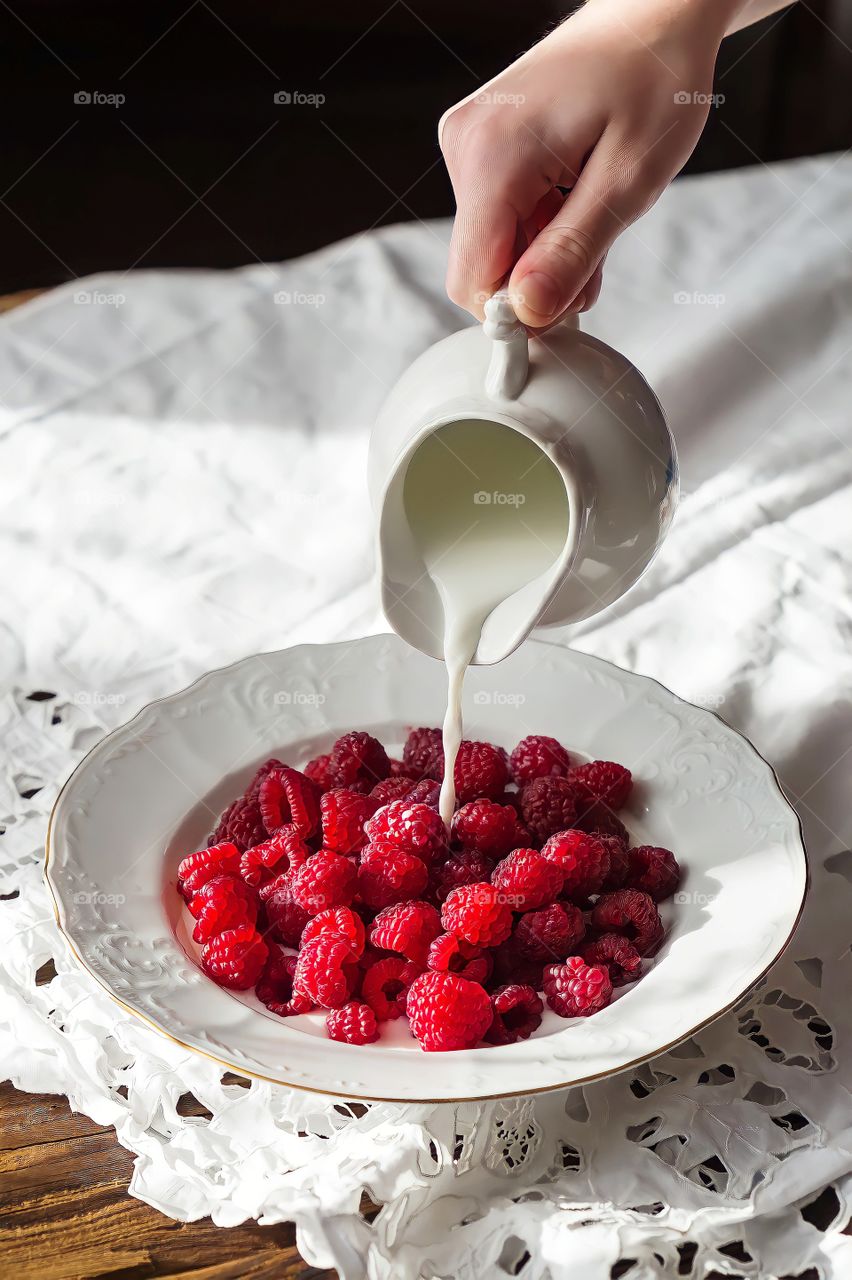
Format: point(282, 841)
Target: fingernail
point(540, 294)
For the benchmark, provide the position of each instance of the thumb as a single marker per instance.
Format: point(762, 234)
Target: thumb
point(552, 273)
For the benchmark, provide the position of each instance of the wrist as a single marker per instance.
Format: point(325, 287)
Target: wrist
point(705, 20)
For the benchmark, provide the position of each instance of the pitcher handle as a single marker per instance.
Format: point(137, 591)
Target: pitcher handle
point(510, 357)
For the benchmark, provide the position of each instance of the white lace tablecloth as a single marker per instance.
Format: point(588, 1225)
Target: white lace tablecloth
point(183, 462)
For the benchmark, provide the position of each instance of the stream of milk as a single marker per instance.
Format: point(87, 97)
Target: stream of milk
point(489, 513)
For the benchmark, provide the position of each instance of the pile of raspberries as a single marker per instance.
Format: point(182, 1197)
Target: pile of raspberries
point(338, 887)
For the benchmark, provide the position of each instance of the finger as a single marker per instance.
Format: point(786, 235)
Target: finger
point(592, 290)
point(559, 263)
point(492, 204)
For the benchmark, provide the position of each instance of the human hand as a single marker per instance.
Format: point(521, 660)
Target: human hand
point(610, 104)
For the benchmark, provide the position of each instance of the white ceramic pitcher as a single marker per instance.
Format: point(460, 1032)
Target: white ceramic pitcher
point(594, 416)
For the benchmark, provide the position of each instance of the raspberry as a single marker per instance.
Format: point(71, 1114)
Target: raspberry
point(355, 1023)
point(538, 757)
point(222, 903)
point(339, 920)
point(385, 986)
point(423, 754)
point(275, 986)
point(602, 780)
point(466, 867)
point(319, 771)
point(598, 819)
point(548, 805)
point(287, 798)
point(387, 875)
point(358, 761)
point(235, 958)
point(583, 860)
point(417, 828)
point(406, 927)
point(197, 868)
point(491, 828)
point(575, 989)
point(448, 954)
point(478, 914)
point(447, 1012)
point(343, 816)
point(325, 970)
point(517, 1013)
point(632, 913)
point(284, 852)
point(653, 870)
point(618, 860)
point(617, 953)
point(326, 880)
point(510, 965)
point(550, 934)
point(481, 770)
point(241, 824)
point(527, 880)
point(286, 918)
point(426, 791)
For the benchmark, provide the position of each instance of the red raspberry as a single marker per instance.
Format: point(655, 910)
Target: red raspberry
point(398, 769)
point(284, 852)
point(355, 1023)
point(287, 798)
point(417, 828)
point(447, 1012)
point(197, 868)
point(427, 791)
point(222, 903)
point(406, 927)
point(343, 816)
point(598, 819)
point(235, 958)
point(478, 914)
point(527, 880)
point(583, 860)
point(326, 970)
point(286, 918)
point(517, 1014)
point(550, 934)
point(358, 761)
point(387, 875)
point(481, 770)
point(538, 757)
point(275, 986)
point(575, 989)
point(619, 862)
point(548, 805)
point(423, 754)
point(491, 828)
point(448, 954)
point(617, 953)
point(632, 913)
point(319, 770)
point(655, 871)
point(466, 867)
point(340, 920)
point(326, 880)
point(603, 780)
point(385, 986)
point(510, 965)
point(241, 824)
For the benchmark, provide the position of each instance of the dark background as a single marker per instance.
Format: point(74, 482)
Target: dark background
point(200, 167)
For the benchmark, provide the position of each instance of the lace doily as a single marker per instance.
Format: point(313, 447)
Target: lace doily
point(730, 1154)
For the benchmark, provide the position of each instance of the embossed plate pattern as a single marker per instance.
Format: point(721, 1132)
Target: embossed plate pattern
point(150, 791)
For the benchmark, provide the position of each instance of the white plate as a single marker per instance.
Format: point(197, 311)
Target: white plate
point(150, 792)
